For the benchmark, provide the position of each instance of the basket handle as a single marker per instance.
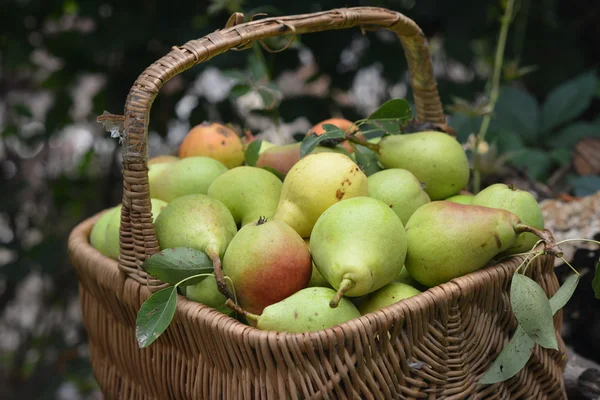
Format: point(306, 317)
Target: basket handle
point(137, 236)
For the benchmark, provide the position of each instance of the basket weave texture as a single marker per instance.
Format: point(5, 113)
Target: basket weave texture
point(434, 345)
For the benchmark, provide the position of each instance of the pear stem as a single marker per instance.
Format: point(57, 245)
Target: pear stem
point(551, 247)
point(229, 303)
point(219, 277)
point(373, 146)
point(346, 285)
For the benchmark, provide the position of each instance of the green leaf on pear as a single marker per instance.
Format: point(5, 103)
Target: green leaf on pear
point(517, 352)
point(176, 264)
point(366, 160)
point(155, 315)
point(252, 152)
point(533, 311)
point(311, 141)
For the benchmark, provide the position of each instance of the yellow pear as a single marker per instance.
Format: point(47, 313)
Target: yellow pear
point(315, 183)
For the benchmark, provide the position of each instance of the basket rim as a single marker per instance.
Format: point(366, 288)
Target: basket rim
point(80, 248)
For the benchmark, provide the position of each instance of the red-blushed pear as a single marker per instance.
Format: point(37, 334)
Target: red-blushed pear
point(519, 202)
point(267, 261)
point(315, 183)
point(447, 240)
point(359, 246)
point(435, 158)
point(199, 222)
point(461, 198)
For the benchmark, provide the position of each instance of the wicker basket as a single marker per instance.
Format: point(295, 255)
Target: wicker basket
point(435, 345)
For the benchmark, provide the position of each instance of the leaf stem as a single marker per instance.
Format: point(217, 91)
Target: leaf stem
point(218, 270)
point(578, 240)
point(551, 247)
point(346, 285)
point(231, 304)
point(570, 266)
point(494, 93)
point(353, 139)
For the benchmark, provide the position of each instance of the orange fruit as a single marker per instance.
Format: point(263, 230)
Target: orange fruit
point(214, 140)
point(343, 124)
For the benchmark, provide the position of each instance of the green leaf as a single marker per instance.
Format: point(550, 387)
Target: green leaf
point(585, 185)
point(235, 74)
point(366, 160)
point(389, 127)
point(517, 352)
point(239, 90)
point(571, 134)
point(258, 70)
point(174, 265)
point(516, 111)
point(155, 315)
point(511, 359)
point(596, 281)
point(22, 110)
point(568, 100)
point(395, 109)
point(536, 163)
point(508, 142)
point(564, 293)
point(532, 309)
point(311, 141)
point(252, 152)
point(269, 97)
point(561, 156)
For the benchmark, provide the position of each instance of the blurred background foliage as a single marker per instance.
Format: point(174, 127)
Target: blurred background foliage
point(64, 62)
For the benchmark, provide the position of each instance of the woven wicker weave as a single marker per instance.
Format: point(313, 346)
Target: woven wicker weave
point(432, 346)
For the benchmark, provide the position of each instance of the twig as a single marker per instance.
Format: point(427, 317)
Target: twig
point(494, 93)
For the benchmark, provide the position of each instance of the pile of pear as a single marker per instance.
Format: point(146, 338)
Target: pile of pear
point(328, 244)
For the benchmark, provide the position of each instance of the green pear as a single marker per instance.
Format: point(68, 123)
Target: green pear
point(248, 193)
point(306, 311)
point(98, 233)
point(399, 189)
point(267, 261)
point(154, 171)
point(206, 292)
point(435, 158)
point(461, 198)
point(199, 222)
point(315, 183)
point(387, 295)
point(519, 202)
point(190, 175)
point(404, 277)
point(447, 240)
point(283, 158)
point(359, 246)
point(114, 224)
point(316, 279)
